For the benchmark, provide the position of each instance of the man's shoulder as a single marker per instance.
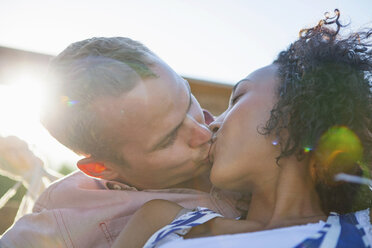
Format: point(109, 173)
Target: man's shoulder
point(66, 190)
point(76, 179)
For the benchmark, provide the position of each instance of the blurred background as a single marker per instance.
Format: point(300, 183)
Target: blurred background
point(212, 43)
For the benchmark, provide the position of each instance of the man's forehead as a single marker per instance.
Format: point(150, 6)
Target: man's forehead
point(148, 109)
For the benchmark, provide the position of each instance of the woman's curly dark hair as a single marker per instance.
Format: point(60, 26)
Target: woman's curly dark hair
point(325, 82)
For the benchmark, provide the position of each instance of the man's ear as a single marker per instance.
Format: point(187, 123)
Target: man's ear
point(97, 169)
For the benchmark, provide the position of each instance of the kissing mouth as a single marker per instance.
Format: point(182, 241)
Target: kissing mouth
point(211, 149)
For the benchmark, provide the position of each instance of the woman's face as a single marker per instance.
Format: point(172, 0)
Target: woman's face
point(242, 157)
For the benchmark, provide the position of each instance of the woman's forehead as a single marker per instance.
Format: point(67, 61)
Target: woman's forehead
point(261, 75)
point(263, 72)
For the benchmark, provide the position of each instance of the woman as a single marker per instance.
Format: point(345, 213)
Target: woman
point(290, 128)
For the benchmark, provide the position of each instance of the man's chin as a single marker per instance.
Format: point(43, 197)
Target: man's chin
point(204, 169)
point(207, 162)
point(205, 153)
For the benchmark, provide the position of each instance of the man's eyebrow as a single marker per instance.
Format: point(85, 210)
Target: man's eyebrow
point(174, 130)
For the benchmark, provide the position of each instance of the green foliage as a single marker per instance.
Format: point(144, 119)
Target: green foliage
point(6, 183)
point(65, 169)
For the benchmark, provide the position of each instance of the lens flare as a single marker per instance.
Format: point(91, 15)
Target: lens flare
point(354, 179)
point(66, 100)
point(338, 150)
point(307, 149)
point(71, 103)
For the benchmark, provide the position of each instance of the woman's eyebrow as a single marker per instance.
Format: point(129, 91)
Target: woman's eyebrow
point(238, 83)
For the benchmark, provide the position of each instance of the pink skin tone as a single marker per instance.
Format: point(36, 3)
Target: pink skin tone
point(153, 161)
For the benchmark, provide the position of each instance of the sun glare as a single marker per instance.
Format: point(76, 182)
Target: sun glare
point(20, 104)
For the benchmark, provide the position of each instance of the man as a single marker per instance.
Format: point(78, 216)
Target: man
point(143, 135)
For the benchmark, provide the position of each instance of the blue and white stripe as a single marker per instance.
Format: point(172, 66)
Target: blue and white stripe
point(180, 226)
point(340, 231)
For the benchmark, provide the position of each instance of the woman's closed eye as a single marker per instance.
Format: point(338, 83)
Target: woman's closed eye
point(234, 99)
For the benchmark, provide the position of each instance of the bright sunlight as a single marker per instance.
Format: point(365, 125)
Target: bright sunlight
point(21, 97)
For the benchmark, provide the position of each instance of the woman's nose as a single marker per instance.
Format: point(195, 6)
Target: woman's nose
point(216, 124)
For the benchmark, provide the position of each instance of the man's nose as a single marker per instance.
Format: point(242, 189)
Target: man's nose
point(199, 134)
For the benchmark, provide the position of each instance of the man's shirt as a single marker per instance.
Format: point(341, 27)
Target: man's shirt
point(80, 211)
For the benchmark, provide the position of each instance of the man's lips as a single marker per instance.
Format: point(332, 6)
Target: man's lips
point(211, 149)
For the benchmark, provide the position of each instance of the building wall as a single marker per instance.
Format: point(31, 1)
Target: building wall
point(212, 96)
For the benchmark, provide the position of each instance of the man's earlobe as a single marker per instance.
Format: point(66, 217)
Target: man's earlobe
point(91, 167)
point(95, 168)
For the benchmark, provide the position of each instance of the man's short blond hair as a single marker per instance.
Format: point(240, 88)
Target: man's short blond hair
point(83, 72)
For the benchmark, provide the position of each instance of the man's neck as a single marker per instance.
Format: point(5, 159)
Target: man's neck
point(201, 183)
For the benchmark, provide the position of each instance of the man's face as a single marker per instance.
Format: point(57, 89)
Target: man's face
point(162, 131)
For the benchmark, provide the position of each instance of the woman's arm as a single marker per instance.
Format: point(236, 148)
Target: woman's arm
point(152, 216)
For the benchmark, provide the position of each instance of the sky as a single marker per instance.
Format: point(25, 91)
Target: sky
point(217, 40)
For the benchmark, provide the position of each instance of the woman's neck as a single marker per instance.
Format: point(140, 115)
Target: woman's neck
point(288, 199)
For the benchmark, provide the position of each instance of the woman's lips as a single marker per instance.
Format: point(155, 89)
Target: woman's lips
point(211, 149)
